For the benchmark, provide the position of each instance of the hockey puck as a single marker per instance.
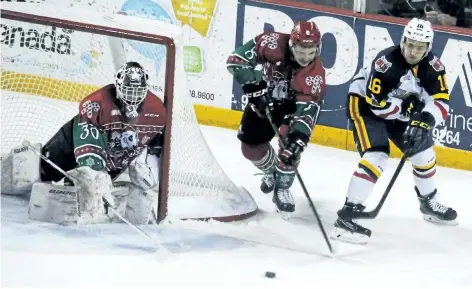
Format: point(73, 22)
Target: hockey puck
point(269, 274)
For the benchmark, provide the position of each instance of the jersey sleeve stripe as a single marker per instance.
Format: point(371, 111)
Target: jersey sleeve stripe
point(443, 110)
point(382, 104)
point(385, 115)
point(442, 96)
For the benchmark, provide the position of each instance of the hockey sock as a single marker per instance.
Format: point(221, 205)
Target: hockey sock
point(267, 163)
point(424, 169)
point(365, 176)
point(285, 175)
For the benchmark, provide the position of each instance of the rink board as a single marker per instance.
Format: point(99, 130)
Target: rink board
point(350, 41)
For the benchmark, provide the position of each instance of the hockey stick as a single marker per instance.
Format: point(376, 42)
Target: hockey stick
point(305, 191)
point(66, 174)
point(373, 214)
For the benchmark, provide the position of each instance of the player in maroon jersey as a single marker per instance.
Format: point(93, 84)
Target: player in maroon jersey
point(283, 72)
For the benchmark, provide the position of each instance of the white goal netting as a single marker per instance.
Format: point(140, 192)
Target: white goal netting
point(48, 67)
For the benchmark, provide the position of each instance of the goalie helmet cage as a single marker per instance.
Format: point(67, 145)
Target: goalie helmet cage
point(192, 184)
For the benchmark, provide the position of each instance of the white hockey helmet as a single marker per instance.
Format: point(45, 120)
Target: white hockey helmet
point(417, 30)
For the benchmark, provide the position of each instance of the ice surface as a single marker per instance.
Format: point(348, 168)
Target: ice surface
point(404, 250)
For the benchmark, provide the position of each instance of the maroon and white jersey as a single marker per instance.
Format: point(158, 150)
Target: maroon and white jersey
point(103, 135)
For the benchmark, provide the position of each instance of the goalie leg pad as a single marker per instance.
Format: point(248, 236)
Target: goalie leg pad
point(53, 204)
point(20, 170)
point(140, 204)
point(93, 187)
point(59, 204)
point(120, 192)
point(144, 171)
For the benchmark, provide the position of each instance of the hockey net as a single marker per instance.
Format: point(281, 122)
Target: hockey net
point(50, 64)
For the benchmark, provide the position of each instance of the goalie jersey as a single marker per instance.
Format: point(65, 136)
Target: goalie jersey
point(105, 138)
point(385, 84)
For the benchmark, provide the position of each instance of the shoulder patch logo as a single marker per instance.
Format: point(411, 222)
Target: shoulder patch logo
point(89, 108)
point(382, 64)
point(270, 40)
point(315, 83)
point(436, 64)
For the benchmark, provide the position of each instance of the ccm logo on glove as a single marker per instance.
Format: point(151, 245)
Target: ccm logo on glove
point(420, 124)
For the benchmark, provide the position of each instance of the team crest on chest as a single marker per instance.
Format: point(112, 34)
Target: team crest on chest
point(382, 64)
point(315, 83)
point(436, 64)
point(123, 142)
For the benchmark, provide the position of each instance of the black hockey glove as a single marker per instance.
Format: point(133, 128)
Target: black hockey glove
point(417, 131)
point(258, 95)
point(411, 104)
point(294, 145)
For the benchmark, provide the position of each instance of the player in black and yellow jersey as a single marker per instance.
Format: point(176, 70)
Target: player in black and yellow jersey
point(400, 97)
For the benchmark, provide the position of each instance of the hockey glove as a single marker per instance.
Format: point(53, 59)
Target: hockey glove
point(417, 132)
point(293, 148)
point(411, 104)
point(258, 95)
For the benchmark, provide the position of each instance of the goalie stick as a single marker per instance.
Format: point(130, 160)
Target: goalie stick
point(300, 180)
point(66, 174)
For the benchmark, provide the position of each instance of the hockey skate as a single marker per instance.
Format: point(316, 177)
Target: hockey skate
point(435, 212)
point(346, 230)
point(268, 183)
point(284, 202)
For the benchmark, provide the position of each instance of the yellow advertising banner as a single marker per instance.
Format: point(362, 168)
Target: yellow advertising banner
point(195, 13)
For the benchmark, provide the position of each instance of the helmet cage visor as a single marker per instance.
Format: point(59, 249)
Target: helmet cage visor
point(132, 95)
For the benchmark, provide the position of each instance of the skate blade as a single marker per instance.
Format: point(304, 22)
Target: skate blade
point(342, 235)
point(436, 220)
point(284, 215)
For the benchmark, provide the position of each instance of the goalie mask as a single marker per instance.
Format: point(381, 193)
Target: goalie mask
point(131, 86)
point(305, 42)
